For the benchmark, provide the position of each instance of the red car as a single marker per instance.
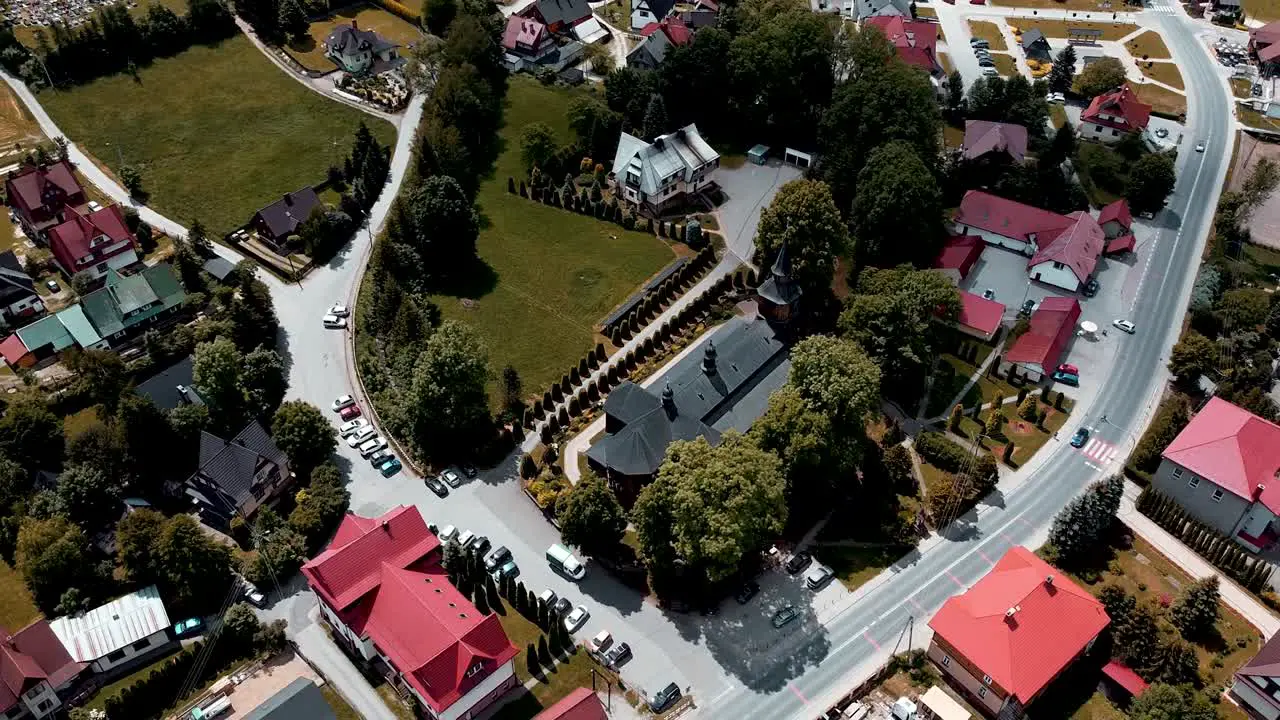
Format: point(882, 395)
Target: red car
point(351, 411)
point(1069, 368)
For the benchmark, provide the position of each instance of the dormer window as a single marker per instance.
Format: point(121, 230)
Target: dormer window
point(476, 668)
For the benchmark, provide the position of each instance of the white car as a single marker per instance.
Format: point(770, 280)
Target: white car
point(351, 426)
point(339, 311)
point(600, 642)
point(452, 477)
point(1057, 97)
point(333, 322)
point(465, 539)
point(576, 618)
point(447, 533)
point(818, 576)
point(359, 437)
point(1126, 326)
point(372, 446)
point(343, 402)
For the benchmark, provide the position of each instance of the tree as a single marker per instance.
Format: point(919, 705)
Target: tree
point(136, 536)
point(896, 189)
point(52, 556)
point(1104, 75)
point(449, 405)
point(1083, 525)
point(1150, 181)
point(303, 432)
point(1064, 70)
point(264, 382)
point(1243, 308)
point(537, 145)
point(591, 518)
point(443, 224)
point(192, 568)
point(512, 390)
point(101, 445)
point(218, 373)
point(1135, 639)
point(86, 492)
point(100, 375)
point(803, 215)
point(239, 625)
point(1029, 408)
point(31, 435)
point(1261, 182)
point(595, 125)
point(803, 440)
point(1195, 614)
point(1172, 416)
point(955, 90)
point(131, 178)
point(1191, 357)
point(293, 20)
point(694, 78)
point(893, 316)
point(655, 118)
point(837, 378)
point(710, 507)
point(1161, 701)
point(15, 483)
point(531, 660)
point(438, 14)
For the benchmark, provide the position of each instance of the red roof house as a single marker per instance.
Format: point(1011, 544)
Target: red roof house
point(15, 353)
point(1264, 42)
point(1116, 219)
point(581, 704)
point(979, 316)
point(983, 138)
point(1114, 115)
point(1037, 351)
point(1067, 258)
point(34, 661)
point(43, 196)
point(673, 27)
point(1004, 640)
point(1122, 244)
point(916, 42)
point(93, 242)
point(958, 256)
point(383, 592)
point(527, 37)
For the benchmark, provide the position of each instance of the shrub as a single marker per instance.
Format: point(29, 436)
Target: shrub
point(563, 417)
point(511, 185)
point(942, 453)
point(574, 408)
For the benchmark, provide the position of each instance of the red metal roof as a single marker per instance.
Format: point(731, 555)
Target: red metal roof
point(522, 31)
point(1052, 622)
point(12, 349)
point(31, 186)
point(984, 136)
point(916, 42)
point(673, 27)
point(32, 655)
point(1232, 448)
point(1052, 325)
point(347, 570)
point(1122, 103)
point(960, 253)
point(1077, 246)
point(1269, 53)
point(1124, 243)
point(1009, 218)
point(1266, 34)
point(980, 313)
point(1117, 211)
point(1124, 677)
point(581, 704)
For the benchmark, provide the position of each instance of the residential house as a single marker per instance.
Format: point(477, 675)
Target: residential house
point(44, 338)
point(1063, 249)
point(1003, 641)
point(36, 672)
point(916, 42)
point(527, 38)
point(277, 221)
point(361, 52)
point(42, 196)
point(979, 317)
point(128, 304)
point(994, 141)
point(581, 704)
point(1117, 222)
point(863, 9)
point(569, 17)
point(219, 267)
point(1223, 470)
point(172, 387)
point(389, 603)
point(644, 12)
point(1113, 116)
point(19, 300)
point(1264, 44)
point(659, 38)
point(93, 243)
point(1036, 353)
point(119, 635)
point(1036, 46)
point(705, 13)
point(237, 476)
point(1257, 685)
point(299, 700)
point(958, 256)
point(664, 174)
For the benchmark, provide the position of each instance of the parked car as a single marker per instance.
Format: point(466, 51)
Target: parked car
point(434, 485)
point(1200, 147)
point(979, 42)
point(548, 596)
point(990, 71)
point(500, 555)
point(1090, 287)
point(53, 286)
point(480, 546)
point(188, 627)
point(349, 412)
point(359, 437)
point(351, 426)
point(507, 569)
point(372, 446)
point(390, 466)
point(345, 401)
point(818, 576)
point(252, 594)
point(452, 477)
point(562, 606)
point(746, 592)
point(1067, 378)
point(1069, 368)
point(339, 310)
point(1028, 307)
point(447, 533)
point(663, 699)
point(333, 322)
point(785, 615)
point(380, 457)
point(989, 294)
point(1057, 97)
point(576, 618)
point(1080, 438)
point(562, 560)
point(1126, 326)
point(798, 562)
point(617, 654)
point(987, 62)
point(600, 642)
point(465, 539)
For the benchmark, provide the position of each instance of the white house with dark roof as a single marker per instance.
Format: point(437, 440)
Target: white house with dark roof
point(361, 51)
point(644, 12)
point(18, 297)
point(863, 9)
point(665, 173)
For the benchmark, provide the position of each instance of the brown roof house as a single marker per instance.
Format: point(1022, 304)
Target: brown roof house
point(44, 195)
point(277, 221)
point(1257, 684)
point(237, 476)
point(36, 672)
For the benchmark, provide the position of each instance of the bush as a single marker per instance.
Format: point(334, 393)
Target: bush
point(942, 453)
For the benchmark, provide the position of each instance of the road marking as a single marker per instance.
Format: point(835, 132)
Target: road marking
point(866, 635)
point(954, 579)
point(984, 557)
point(1177, 238)
point(798, 694)
point(1007, 539)
point(916, 605)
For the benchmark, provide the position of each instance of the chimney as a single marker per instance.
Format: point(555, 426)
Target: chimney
point(1011, 612)
point(669, 399)
point(1048, 580)
point(288, 199)
point(709, 359)
point(1258, 490)
point(354, 24)
point(386, 526)
point(658, 142)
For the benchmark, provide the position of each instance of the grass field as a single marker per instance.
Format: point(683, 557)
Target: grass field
point(1149, 44)
point(1165, 72)
point(555, 273)
point(17, 609)
point(1161, 99)
point(854, 566)
point(989, 31)
point(1005, 64)
point(1058, 28)
point(18, 130)
point(217, 149)
point(341, 710)
point(618, 13)
point(1027, 439)
point(310, 52)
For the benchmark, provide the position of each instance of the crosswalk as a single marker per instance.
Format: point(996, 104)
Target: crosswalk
point(1163, 9)
point(1100, 451)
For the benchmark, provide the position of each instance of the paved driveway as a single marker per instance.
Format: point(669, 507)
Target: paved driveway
point(748, 189)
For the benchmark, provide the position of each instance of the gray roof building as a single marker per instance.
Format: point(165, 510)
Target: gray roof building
point(1035, 45)
point(237, 476)
point(651, 51)
point(299, 700)
point(659, 168)
point(172, 387)
point(282, 217)
point(864, 9)
point(15, 283)
point(219, 267)
point(559, 13)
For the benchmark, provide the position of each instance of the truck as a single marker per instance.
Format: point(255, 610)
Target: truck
point(564, 561)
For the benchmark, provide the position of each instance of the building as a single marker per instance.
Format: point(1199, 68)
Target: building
point(1257, 685)
point(1004, 640)
point(996, 141)
point(958, 256)
point(863, 9)
point(1114, 115)
point(979, 317)
point(560, 16)
point(1064, 249)
point(527, 38)
point(129, 304)
point(93, 243)
point(387, 601)
point(121, 634)
point(581, 704)
point(1036, 46)
point(36, 672)
point(1117, 222)
point(299, 700)
point(219, 267)
point(1264, 44)
point(1037, 352)
point(361, 52)
point(778, 296)
point(644, 12)
point(936, 704)
point(664, 174)
point(237, 476)
point(19, 300)
point(277, 221)
point(915, 42)
point(1222, 469)
point(172, 387)
point(659, 38)
point(43, 196)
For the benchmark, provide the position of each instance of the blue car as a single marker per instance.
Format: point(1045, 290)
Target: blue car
point(1080, 438)
point(1066, 378)
point(188, 627)
point(390, 467)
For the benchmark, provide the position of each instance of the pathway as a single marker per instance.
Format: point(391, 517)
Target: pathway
point(973, 380)
point(328, 659)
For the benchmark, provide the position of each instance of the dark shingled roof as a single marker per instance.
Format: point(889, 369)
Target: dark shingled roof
point(299, 700)
point(15, 283)
point(345, 36)
point(283, 216)
point(162, 388)
point(778, 287)
point(568, 12)
point(219, 267)
point(231, 465)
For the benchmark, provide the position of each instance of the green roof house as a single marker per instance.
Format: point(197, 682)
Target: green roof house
point(77, 323)
point(127, 301)
point(46, 336)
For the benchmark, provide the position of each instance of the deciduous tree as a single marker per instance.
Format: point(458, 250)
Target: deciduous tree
point(52, 556)
point(591, 518)
point(1104, 75)
point(804, 216)
point(1151, 179)
point(304, 434)
point(837, 377)
point(1191, 357)
point(537, 145)
point(31, 435)
point(896, 189)
point(449, 404)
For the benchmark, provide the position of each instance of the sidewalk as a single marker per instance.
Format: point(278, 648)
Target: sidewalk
point(328, 659)
point(1234, 596)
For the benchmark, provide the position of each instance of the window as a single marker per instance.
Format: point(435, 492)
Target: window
point(1193, 482)
point(44, 705)
point(1058, 266)
point(142, 644)
point(986, 679)
point(946, 661)
point(1217, 495)
point(982, 692)
point(1177, 473)
point(115, 656)
point(1114, 132)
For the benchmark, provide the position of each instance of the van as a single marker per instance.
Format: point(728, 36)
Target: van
point(564, 561)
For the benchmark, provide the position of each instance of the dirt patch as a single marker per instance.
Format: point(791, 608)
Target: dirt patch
point(1264, 225)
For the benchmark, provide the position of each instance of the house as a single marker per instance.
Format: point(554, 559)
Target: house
point(1005, 639)
point(1117, 222)
point(1222, 470)
point(1114, 115)
point(361, 52)
point(301, 699)
point(18, 297)
point(1036, 46)
point(219, 267)
point(666, 173)
point(93, 243)
point(237, 476)
point(128, 304)
point(863, 9)
point(1121, 684)
point(659, 37)
point(700, 18)
point(1002, 142)
point(277, 221)
point(527, 38)
point(388, 602)
point(723, 387)
point(560, 16)
point(119, 635)
point(1256, 686)
point(644, 12)
point(1037, 352)
point(36, 672)
point(172, 387)
point(958, 256)
point(915, 42)
point(979, 317)
point(581, 704)
point(1064, 249)
point(43, 196)
point(1264, 44)
point(45, 337)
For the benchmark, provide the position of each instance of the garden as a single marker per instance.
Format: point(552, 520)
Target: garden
point(309, 52)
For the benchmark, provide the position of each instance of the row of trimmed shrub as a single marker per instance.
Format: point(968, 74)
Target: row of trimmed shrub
point(651, 305)
point(1223, 552)
point(611, 210)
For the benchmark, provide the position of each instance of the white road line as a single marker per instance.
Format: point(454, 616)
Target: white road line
point(1093, 445)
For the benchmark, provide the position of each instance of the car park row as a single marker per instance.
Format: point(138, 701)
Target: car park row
point(360, 434)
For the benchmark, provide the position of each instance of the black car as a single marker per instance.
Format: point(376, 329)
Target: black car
point(662, 699)
point(562, 606)
point(1028, 307)
point(480, 546)
point(1091, 287)
point(436, 486)
point(746, 592)
point(496, 558)
point(470, 470)
point(617, 655)
point(799, 562)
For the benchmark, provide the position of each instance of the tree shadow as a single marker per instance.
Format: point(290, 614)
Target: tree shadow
point(303, 45)
point(472, 282)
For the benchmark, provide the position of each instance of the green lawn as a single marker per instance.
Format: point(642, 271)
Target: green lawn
point(555, 273)
point(218, 132)
point(989, 31)
point(1026, 437)
point(341, 709)
point(17, 609)
point(393, 701)
point(854, 566)
point(310, 51)
point(1148, 44)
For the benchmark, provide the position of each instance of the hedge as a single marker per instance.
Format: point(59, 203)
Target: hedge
point(1223, 552)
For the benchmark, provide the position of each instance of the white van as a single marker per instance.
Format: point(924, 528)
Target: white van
point(564, 561)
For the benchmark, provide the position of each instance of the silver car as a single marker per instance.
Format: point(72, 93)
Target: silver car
point(372, 446)
point(361, 436)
